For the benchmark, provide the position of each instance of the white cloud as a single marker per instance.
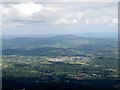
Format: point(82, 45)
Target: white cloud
point(28, 8)
point(59, 13)
point(62, 21)
point(22, 9)
point(51, 9)
point(60, 1)
point(114, 20)
point(65, 21)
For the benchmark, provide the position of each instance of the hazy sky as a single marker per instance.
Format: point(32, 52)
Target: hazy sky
point(33, 17)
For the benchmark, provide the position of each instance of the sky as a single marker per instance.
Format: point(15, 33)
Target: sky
point(58, 16)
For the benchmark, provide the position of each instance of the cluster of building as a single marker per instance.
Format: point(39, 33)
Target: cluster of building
point(66, 58)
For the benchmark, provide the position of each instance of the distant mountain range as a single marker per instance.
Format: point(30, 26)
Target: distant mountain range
point(82, 34)
point(57, 45)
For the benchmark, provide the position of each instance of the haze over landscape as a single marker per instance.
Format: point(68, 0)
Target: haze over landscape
point(59, 45)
